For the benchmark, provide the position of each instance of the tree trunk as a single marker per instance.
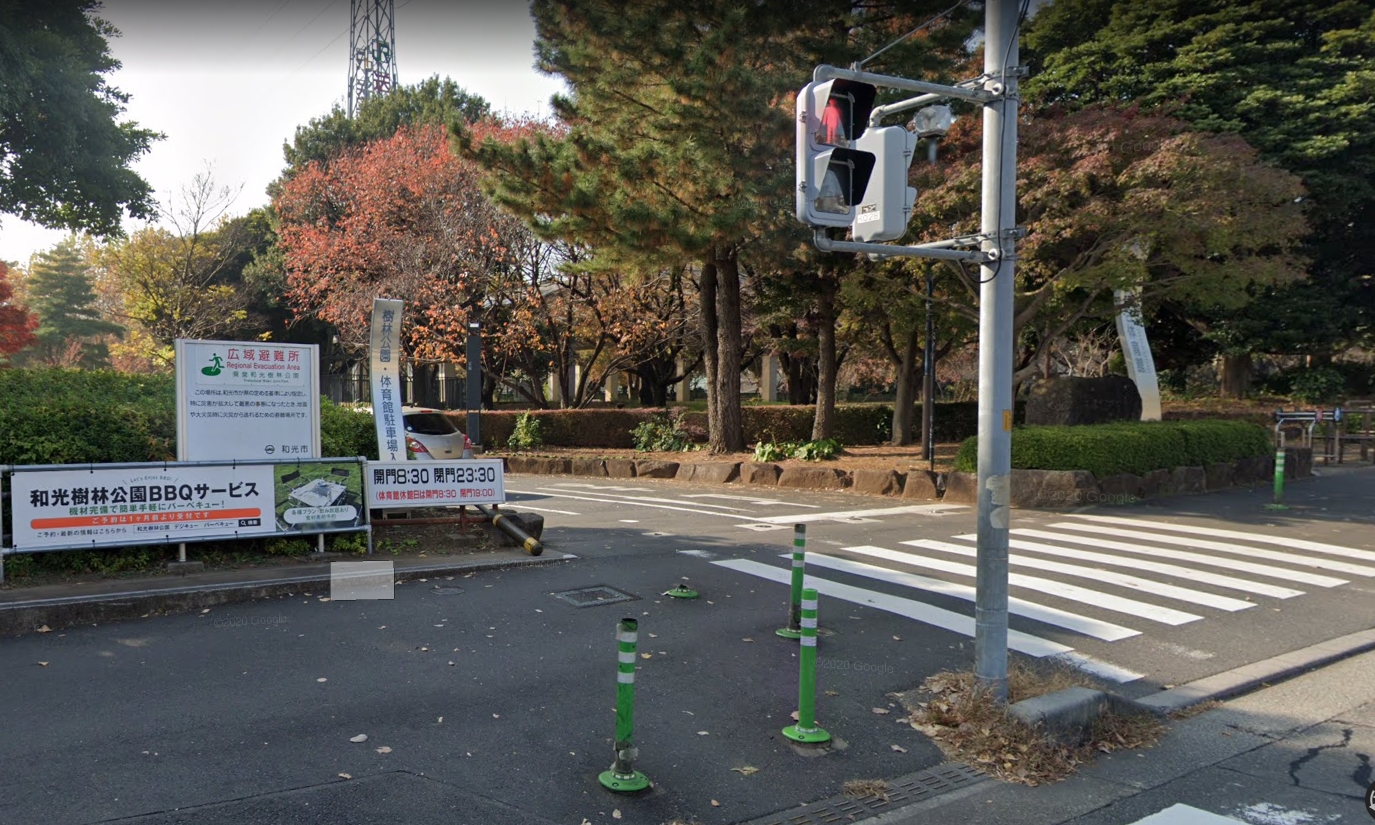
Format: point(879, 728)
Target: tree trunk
point(706, 297)
point(1236, 375)
point(906, 391)
point(729, 436)
point(823, 423)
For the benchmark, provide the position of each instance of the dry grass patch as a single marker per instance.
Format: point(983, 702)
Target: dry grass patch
point(969, 726)
point(1194, 710)
point(859, 788)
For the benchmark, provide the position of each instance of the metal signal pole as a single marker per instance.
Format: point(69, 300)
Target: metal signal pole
point(995, 346)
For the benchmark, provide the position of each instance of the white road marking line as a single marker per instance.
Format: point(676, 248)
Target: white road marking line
point(1315, 579)
point(629, 521)
point(1221, 547)
point(934, 616)
point(523, 506)
point(1169, 591)
point(1181, 814)
point(640, 502)
point(599, 487)
point(1107, 631)
point(1106, 601)
point(1230, 582)
point(752, 500)
point(915, 509)
point(1216, 532)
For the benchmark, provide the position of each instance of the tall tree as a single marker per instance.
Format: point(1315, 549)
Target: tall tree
point(432, 101)
point(1292, 77)
point(60, 291)
point(65, 156)
point(184, 281)
point(1116, 199)
point(17, 324)
point(680, 127)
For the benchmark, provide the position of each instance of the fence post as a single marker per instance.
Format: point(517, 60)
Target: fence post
point(794, 628)
point(805, 730)
point(622, 776)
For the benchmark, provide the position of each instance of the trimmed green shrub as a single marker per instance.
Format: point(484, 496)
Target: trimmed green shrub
point(62, 416)
point(346, 432)
point(661, 434)
point(1127, 447)
point(527, 434)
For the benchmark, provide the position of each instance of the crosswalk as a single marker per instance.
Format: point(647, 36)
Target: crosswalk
point(1103, 577)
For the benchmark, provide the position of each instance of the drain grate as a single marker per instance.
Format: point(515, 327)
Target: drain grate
point(907, 790)
point(594, 596)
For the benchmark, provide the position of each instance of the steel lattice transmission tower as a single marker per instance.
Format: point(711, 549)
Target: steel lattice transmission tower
point(372, 50)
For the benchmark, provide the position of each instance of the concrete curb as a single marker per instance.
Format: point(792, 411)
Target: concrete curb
point(26, 616)
point(1258, 674)
point(1069, 714)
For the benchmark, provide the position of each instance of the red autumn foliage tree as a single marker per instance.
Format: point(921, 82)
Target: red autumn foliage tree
point(402, 218)
point(17, 324)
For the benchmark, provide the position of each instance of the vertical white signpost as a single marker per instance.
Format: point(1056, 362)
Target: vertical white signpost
point(1137, 350)
point(386, 379)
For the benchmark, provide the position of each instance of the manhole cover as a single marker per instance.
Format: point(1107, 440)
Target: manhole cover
point(446, 590)
point(594, 596)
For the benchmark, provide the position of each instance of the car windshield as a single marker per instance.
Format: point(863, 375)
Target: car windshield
point(430, 424)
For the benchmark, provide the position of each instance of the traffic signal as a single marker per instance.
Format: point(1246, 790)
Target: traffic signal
point(885, 207)
point(832, 173)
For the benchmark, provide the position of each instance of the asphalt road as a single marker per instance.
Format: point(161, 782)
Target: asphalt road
point(490, 699)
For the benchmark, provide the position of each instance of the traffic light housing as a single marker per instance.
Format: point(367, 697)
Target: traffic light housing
point(832, 172)
point(885, 206)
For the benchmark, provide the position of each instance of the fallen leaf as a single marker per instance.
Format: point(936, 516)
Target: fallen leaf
point(45, 629)
point(646, 655)
point(496, 716)
point(42, 664)
point(362, 737)
point(880, 711)
point(324, 598)
point(384, 749)
point(322, 679)
point(832, 693)
point(441, 721)
point(616, 814)
point(898, 748)
point(703, 733)
point(345, 776)
point(654, 635)
point(897, 638)
point(747, 639)
point(748, 770)
point(206, 610)
point(793, 715)
point(715, 804)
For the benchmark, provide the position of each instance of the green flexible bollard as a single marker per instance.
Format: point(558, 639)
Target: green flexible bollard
point(806, 730)
point(794, 628)
point(622, 777)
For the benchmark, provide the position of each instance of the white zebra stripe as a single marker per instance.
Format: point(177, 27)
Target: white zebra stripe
point(1096, 628)
point(1221, 547)
point(1315, 579)
point(1217, 532)
point(1106, 601)
point(1169, 591)
point(1204, 577)
point(934, 616)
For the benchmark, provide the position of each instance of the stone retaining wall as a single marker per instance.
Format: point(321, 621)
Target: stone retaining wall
point(1036, 489)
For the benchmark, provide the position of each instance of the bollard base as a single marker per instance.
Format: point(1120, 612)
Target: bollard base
point(1277, 506)
point(623, 783)
point(681, 591)
point(807, 736)
point(788, 633)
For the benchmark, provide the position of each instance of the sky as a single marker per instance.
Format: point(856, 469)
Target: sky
point(228, 81)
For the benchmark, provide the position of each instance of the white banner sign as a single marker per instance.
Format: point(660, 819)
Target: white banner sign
point(140, 505)
point(239, 400)
point(1137, 351)
point(435, 483)
point(61, 508)
point(386, 379)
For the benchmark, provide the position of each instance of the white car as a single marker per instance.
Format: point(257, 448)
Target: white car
point(431, 434)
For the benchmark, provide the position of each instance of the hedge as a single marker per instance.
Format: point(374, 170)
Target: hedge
point(855, 424)
point(64, 416)
point(1127, 447)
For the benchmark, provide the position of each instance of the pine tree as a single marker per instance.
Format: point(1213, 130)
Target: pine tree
point(70, 329)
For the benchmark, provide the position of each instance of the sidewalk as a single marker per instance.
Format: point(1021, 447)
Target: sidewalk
point(1294, 753)
point(25, 609)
